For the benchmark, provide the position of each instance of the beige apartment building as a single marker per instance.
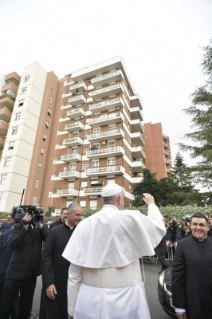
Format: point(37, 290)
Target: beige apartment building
point(68, 138)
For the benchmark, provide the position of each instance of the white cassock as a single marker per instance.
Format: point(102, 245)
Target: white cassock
point(104, 279)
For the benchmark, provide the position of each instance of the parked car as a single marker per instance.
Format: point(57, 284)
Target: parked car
point(165, 292)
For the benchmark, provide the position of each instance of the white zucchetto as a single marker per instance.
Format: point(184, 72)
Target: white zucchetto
point(110, 190)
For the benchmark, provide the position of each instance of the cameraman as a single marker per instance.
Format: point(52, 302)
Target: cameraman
point(24, 266)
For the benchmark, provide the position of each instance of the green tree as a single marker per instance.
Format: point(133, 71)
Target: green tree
point(149, 185)
point(201, 113)
point(181, 174)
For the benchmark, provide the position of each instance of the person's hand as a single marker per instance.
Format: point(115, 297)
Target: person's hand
point(51, 291)
point(181, 315)
point(148, 199)
point(39, 225)
point(174, 218)
point(27, 218)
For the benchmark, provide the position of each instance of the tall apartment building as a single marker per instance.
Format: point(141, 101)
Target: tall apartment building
point(68, 138)
point(157, 150)
point(100, 140)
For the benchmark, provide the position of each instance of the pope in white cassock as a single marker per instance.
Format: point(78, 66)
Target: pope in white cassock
point(104, 280)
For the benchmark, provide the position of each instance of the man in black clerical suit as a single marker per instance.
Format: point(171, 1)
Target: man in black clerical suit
point(192, 273)
point(24, 267)
point(63, 216)
point(55, 267)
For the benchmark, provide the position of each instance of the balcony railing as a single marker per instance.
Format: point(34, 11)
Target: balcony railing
point(105, 117)
point(68, 157)
point(105, 150)
point(106, 76)
point(117, 87)
point(106, 104)
point(66, 174)
point(77, 126)
point(69, 191)
point(104, 134)
point(76, 98)
point(72, 140)
point(93, 189)
point(106, 169)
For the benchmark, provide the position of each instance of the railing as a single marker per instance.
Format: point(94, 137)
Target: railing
point(106, 89)
point(75, 86)
point(69, 140)
point(68, 173)
point(77, 110)
point(69, 191)
point(103, 134)
point(105, 169)
point(68, 156)
point(93, 189)
point(72, 125)
point(109, 102)
point(106, 76)
point(75, 98)
point(105, 150)
point(105, 117)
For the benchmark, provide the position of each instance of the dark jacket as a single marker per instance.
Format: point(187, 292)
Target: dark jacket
point(57, 223)
point(179, 232)
point(5, 249)
point(162, 245)
point(27, 250)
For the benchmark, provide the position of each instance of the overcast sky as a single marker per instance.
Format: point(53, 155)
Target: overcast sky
point(159, 40)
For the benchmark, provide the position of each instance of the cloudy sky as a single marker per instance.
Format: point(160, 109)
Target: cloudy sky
point(160, 41)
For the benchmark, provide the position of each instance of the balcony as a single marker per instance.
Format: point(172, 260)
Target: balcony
point(106, 105)
point(6, 100)
point(11, 89)
point(137, 167)
point(107, 135)
point(3, 127)
point(165, 137)
point(78, 112)
point(166, 153)
point(105, 152)
point(68, 174)
point(5, 114)
point(166, 145)
point(93, 190)
point(106, 120)
point(78, 87)
point(135, 100)
point(74, 127)
point(2, 142)
point(137, 139)
point(107, 91)
point(167, 162)
point(67, 192)
point(69, 158)
point(136, 126)
point(107, 78)
point(72, 141)
point(13, 77)
point(107, 170)
point(137, 152)
point(136, 113)
point(75, 100)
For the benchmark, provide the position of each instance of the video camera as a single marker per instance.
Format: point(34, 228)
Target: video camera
point(18, 213)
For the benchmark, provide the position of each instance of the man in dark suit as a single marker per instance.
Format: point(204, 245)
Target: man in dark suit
point(24, 267)
point(192, 273)
point(63, 217)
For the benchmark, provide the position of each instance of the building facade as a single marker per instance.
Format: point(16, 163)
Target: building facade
point(157, 150)
point(68, 138)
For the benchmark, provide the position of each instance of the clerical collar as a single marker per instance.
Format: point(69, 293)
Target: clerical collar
point(71, 228)
point(110, 206)
point(201, 240)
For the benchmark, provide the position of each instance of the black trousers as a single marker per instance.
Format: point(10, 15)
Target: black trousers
point(161, 258)
point(15, 306)
point(10, 290)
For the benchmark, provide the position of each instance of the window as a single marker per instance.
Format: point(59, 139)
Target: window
point(42, 152)
point(50, 100)
point(3, 179)
point(82, 202)
point(111, 180)
point(14, 130)
point(111, 127)
point(1, 195)
point(36, 183)
point(23, 91)
point(11, 146)
point(47, 124)
point(49, 112)
point(39, 167)
point(93, 203)
point(94, 181)
point(7, 161)
point(74, 150)
point(21, 103)
point(111, 144)
point(72, 166)
point(111, 161)
point(52, 88)
point(26, 79)
point(84, 184)
point(85, 149)
point(84, 165)
point(96, 130)
point(18, 117)
point(96, 116)
point(86, 133)
point(44, 137)
point(95, 163)
point(34, 200)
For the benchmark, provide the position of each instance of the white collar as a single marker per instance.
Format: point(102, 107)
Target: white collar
point(110, 206)
point(71, 228)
